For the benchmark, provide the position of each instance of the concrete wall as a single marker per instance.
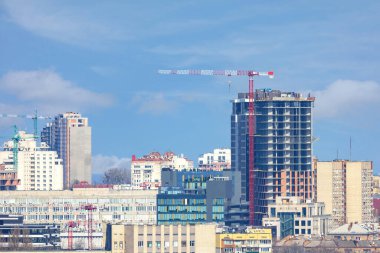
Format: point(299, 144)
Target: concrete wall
point(80, 154)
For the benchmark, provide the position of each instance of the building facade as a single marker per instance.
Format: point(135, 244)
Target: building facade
point(219, 159)
point(249, 240)
point(282, 146)
point(293, 216)
point(178, 206)
point(146, 171)
point(17, 236)
point(199, 238)
point(61, 207)
point(70, 135)
point(346, 189)
point(38, 167)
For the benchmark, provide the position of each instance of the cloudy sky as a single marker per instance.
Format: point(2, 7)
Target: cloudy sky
point(101, 59)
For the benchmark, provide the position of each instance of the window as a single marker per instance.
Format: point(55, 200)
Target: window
point(114, 245)
point(120, 245)
point(183, 244)
point(175, 244)
point(297, 223)
point(158, 244)
point(309, 222)
point(303, 223)
point(140, 244)
point(192, 243)
point(149, 244)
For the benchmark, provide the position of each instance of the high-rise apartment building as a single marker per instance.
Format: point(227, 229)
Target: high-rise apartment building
point(346, 189)
point(38, 167)
point(219, 159)
point(70, 135)
point(282, 146)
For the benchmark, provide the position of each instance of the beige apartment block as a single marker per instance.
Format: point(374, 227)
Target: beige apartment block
point(376, 184)
point(199, 238)
point(346, 189)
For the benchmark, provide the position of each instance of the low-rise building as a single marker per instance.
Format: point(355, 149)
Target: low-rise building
point(146, 171)
point(293, 216)
point(247, 240)
point(219, 159)
point(17, 236)
point(356, 232)
point(199, 238)
point(61, 207)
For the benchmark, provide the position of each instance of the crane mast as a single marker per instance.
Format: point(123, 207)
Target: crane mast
point(251, 119)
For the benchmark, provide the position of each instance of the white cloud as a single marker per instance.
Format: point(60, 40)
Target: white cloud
point(153, 103)
point(65, 25)
point(158, 103)
point(101, 163)
point(49, 92)
point(347, 98)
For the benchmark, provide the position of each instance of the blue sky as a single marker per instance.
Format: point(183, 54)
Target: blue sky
point(101, 59)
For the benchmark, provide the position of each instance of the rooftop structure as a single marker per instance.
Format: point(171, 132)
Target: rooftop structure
point(249, 240)
point(219, 159)
point(356, 232)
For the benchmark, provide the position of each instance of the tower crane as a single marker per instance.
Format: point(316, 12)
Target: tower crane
point(16, 139)
point(70, 227)
point(34, 117)
point(251, 119)
point(89, 208)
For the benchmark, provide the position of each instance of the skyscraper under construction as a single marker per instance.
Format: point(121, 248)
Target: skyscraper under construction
point(282, 147)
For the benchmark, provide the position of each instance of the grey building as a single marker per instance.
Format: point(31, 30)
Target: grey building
point(282, 146)
point(70, 135)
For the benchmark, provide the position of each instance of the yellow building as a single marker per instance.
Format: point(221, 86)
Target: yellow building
point(198, 238)
point(251, 240)
point(346, 189)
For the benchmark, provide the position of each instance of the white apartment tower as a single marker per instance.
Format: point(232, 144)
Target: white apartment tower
point(70, 135)
point(219, 159)
point(38, 168)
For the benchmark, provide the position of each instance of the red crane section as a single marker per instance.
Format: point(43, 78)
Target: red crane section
point(70, 227)
point(251, 119)
point(89, 208)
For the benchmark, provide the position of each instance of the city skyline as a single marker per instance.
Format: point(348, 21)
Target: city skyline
point(108, 65)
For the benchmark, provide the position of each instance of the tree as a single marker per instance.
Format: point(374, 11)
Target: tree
point(26, 240)
point(117, 176)
point(14, 239)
